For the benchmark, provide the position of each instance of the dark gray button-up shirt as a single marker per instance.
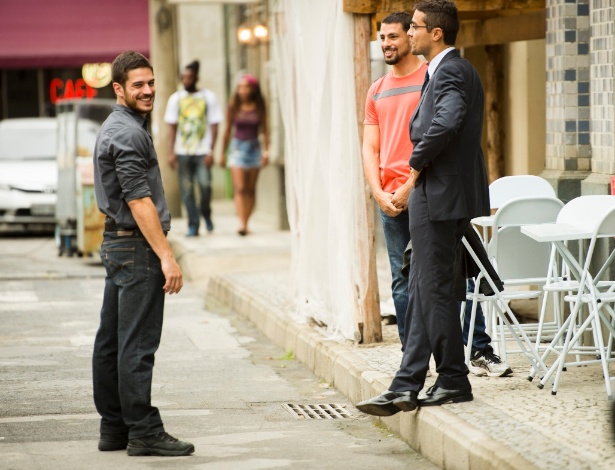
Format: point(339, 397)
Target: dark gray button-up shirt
point(126, 168)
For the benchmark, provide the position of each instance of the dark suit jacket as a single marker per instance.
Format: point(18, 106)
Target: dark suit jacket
point(446, 133)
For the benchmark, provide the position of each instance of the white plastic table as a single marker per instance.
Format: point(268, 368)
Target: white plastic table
point(558, 234)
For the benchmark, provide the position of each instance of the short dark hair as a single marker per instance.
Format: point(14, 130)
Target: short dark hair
point(194, 66)
point(125, 62)
point(441, 14)
point(399, 17)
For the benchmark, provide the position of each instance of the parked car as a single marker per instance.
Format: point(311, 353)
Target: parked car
point(28, 171)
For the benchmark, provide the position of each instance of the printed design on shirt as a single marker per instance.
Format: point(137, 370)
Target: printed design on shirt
point(191, 124)
point(396, 92)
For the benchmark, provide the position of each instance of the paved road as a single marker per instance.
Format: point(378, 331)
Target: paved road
point(218, 382)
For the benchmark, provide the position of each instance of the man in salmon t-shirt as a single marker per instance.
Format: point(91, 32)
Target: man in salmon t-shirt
point(390, 104)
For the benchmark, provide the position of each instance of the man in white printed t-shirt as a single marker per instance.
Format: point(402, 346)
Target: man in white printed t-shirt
point(193, 116)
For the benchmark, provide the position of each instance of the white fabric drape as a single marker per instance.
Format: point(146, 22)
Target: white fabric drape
point(312, 48)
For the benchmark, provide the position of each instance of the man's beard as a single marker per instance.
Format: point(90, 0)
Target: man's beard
point(397, 58)
point(134, 105)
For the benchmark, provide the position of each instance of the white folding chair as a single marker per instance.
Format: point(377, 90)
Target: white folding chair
point(522, 262)
point(506, 188)
point(519, 261)
point(584, 218)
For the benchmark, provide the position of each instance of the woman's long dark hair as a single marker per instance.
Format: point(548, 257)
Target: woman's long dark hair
point(256, 96)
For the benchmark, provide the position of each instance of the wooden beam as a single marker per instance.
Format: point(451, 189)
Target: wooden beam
point(368, 7)
point(502, 30)
point(370, 305)
point(494, 97)
point(518, 26)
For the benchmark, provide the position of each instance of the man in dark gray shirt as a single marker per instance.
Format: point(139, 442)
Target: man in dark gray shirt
point(140, 268)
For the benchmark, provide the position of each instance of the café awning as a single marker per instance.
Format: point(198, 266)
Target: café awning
point(69, 33)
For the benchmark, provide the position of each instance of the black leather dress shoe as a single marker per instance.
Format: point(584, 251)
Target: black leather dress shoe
point(436, 396)
point(384, 405)
point(407, 402)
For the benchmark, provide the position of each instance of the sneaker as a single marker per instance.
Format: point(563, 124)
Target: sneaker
point(192, 232)
point(161, 443)
point(110, 442)
point(488, 363)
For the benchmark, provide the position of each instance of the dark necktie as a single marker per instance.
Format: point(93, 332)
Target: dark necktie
point(425, 82)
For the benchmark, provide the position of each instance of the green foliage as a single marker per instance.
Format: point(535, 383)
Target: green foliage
point(289, 356)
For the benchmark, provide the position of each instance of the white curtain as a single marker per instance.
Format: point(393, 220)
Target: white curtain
point(312, 48)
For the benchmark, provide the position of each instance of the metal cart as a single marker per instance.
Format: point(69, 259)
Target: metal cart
point(79, 224)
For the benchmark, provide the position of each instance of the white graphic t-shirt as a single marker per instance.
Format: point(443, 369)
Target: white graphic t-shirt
point(194, 114)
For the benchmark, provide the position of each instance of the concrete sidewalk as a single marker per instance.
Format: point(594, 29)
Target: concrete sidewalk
point(510, 424)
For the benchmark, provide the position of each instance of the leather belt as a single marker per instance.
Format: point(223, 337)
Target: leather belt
point(111, 226)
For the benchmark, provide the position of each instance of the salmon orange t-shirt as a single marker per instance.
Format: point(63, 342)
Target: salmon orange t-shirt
point(390, 103)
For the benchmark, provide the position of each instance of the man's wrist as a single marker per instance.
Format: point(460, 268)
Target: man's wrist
point(377, 192)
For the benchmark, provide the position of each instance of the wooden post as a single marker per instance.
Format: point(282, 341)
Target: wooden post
point(163, 58)
point(370, 306)
point(493, 104)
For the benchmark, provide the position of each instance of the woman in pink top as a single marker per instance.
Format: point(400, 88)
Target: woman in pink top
point(247, 117)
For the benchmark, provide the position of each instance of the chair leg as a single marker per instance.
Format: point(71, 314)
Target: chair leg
point(471, 333)
point(552, 347)
point(541, 319)
point(500, 305)
point(502, 335)
point(560, 363)
point(525, 345)
point(603, 354)
point(610, 343)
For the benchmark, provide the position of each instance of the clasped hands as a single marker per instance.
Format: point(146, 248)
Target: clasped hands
point(393, 204)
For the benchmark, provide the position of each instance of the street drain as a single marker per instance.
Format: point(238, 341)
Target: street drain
point(326, 411)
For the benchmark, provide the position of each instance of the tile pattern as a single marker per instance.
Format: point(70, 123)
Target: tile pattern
point(568, 85)
point(602, 50)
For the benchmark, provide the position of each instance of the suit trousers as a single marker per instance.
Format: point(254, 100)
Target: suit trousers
point(432, 320)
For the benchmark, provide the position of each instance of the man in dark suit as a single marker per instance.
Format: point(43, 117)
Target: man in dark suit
point(449, 188)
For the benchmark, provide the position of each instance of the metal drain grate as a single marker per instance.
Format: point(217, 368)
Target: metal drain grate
point(326, 411)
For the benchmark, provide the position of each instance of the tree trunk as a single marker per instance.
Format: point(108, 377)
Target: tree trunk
point(493, 103)
point(370, 305)
point(164, 60)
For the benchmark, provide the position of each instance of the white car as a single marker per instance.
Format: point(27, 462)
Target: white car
point(28, 171)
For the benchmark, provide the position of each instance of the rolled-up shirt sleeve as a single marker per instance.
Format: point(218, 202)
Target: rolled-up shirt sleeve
point(130, 149)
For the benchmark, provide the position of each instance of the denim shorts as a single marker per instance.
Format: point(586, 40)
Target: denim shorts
point(244, 154)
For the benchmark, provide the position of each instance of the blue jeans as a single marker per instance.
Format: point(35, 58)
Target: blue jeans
point(481, 340)
point(396, 236)
point(191, 169)
point(128, 336)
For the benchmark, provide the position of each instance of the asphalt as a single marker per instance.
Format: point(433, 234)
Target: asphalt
point(511, 424)
point(219, 382)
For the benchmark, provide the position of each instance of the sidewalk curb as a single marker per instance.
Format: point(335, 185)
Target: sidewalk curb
point(440, 436)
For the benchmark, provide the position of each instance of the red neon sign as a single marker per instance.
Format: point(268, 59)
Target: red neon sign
point(60, 90)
